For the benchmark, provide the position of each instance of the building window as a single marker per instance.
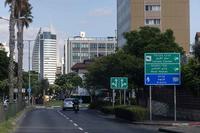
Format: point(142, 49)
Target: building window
point(84, 54)
point(93, 45)
point(152, 21)
point(84, 45)
point(152, 7)
point(76, 45)
point(93, 54)
point(102, 45)
point(110, 45)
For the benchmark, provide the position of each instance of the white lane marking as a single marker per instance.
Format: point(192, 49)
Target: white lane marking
point(75, 124)
point(80, 128)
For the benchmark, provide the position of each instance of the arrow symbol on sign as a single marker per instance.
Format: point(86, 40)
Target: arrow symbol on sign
point(148, 79)
point(176, 58)
point(176, 69)
point(122, 83)
point(115, 83)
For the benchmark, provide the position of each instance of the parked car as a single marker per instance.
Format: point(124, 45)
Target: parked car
point(68, 103)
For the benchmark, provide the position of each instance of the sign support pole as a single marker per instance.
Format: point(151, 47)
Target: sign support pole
point(113, 102)
point(124, 97)
point(120, 97)
point(150, 104)
point(174, 102)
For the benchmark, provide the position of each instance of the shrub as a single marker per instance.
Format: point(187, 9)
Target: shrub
point(98, 104)
point(131, 113)
point(107, 110)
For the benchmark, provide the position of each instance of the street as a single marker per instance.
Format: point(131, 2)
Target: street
point(85, 121)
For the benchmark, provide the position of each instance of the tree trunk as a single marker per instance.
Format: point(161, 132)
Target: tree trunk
point(12, 47)
point(20, 47)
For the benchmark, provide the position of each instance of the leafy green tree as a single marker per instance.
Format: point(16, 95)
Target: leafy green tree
point(36, 90)
point(54, 89)
point(44, 85)
point(4, 88)
point(196, 49)
point(68, 82)
point(4, 61)
point(191, 76)
point(191, 72)
point(150, 39)
point(115, 65)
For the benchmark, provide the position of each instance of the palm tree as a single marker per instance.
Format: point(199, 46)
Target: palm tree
point(23, 17)
point(26, 19)
point(12, 47)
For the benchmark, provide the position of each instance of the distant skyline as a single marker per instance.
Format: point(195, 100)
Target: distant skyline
point(96, 17)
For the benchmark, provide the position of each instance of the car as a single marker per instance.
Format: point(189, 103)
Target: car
point(68, 103)
point(107, 99)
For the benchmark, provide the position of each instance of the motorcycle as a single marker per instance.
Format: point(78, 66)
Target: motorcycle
point(76, 108)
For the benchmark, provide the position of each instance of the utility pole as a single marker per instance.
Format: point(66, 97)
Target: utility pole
point(29, 74)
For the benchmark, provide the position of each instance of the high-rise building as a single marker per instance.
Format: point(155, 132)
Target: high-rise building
point(80, 48)
point(44, 60)
point(164, 14)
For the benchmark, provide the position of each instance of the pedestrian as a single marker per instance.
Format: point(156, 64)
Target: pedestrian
point(5, 104)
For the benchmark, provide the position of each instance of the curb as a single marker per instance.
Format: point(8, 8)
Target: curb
point(152, 124)
point(194, 124)
point(18, 119)
point(168, 130)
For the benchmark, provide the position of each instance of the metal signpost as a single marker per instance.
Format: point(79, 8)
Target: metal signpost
point(162, 69)
point(119, 83)
point(29, 95)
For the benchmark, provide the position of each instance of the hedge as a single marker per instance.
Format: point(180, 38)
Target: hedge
point(131, 113)
point(107, 110)
point(98, 104)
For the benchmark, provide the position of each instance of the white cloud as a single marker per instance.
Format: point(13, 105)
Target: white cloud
point(101, 12)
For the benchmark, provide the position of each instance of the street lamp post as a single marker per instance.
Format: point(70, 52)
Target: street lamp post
point(29, 69)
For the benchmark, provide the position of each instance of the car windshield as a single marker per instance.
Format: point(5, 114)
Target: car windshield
point(69, 100)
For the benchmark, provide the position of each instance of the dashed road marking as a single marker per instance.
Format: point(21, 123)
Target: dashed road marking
point(80, 128)
point(76, 125)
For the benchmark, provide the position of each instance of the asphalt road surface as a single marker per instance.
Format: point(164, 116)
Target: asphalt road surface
point(85, 121)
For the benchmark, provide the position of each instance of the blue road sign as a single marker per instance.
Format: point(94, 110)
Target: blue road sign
point(162, 79)
point(29, 90)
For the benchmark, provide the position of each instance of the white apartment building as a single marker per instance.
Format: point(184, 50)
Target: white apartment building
point(80, 48)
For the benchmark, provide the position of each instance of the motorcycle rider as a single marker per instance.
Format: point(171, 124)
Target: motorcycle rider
point(76, 104)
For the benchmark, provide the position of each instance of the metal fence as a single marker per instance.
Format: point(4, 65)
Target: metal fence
point(10, 111)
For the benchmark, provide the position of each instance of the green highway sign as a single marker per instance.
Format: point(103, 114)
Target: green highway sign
point(162, 68)
point(162, 58)
point(119, 83)
point(162, 63)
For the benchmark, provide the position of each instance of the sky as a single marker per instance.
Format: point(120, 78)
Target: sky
point(68, 17)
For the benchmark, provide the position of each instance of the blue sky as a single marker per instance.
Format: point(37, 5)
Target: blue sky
point(69, 17)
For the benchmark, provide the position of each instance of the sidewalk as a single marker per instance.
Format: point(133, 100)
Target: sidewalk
point(168, 123)
point(182, 129)
point(174, 127)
